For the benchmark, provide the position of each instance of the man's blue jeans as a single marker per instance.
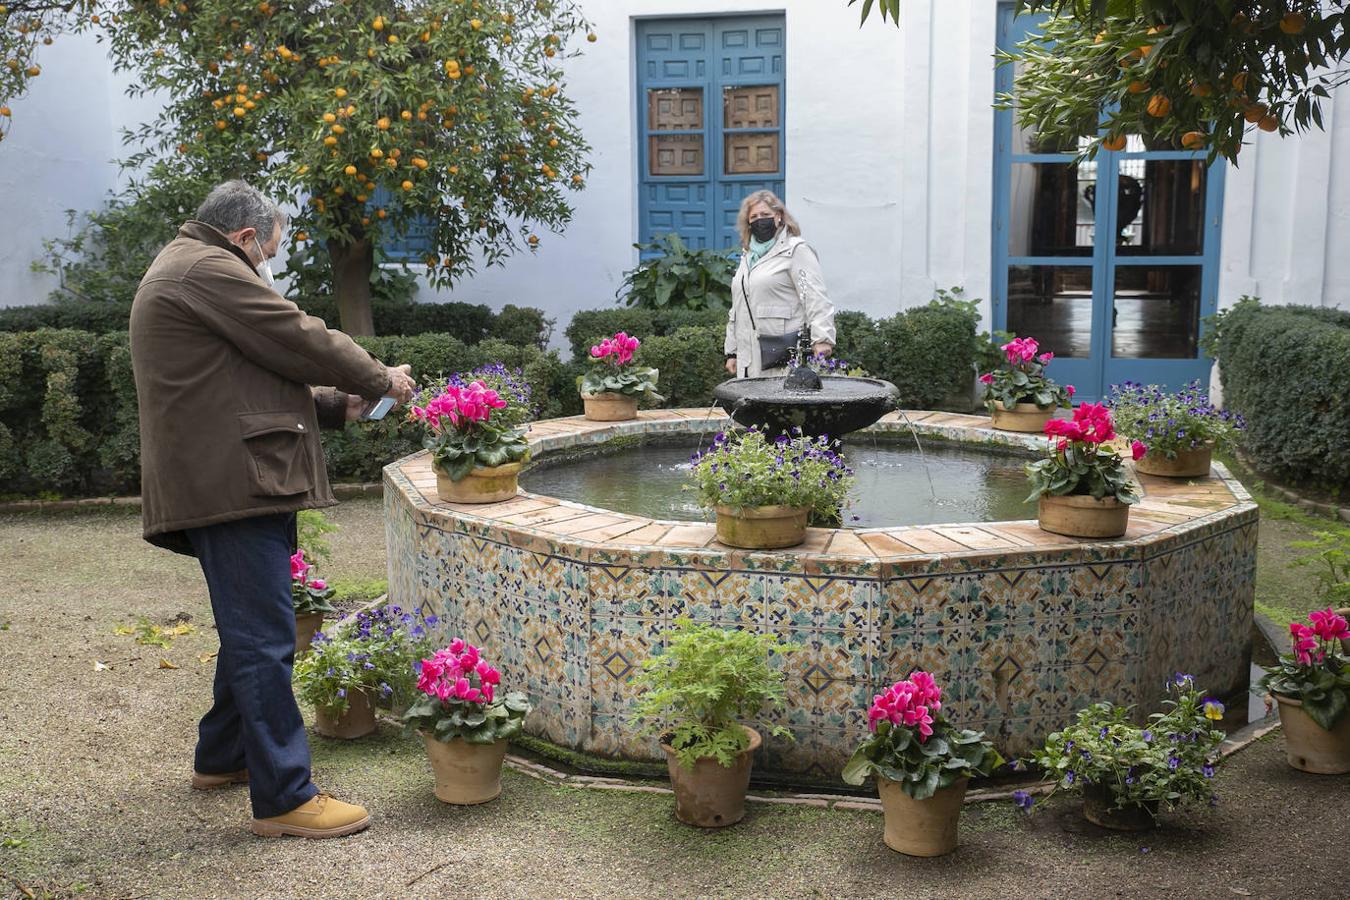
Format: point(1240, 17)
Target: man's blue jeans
point(254, 722)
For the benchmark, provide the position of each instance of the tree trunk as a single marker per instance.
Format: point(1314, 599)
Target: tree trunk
point(352, 264)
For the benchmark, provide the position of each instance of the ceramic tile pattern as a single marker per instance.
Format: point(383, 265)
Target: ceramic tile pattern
point(1021, 627)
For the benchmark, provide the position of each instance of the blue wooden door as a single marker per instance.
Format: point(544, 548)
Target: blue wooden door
point(1112, 264)
point(710, 123)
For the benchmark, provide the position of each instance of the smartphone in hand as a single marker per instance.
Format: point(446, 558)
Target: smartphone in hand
point(378, 411)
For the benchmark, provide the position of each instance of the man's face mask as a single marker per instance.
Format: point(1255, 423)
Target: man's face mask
point(264, 269)
point(763, 229)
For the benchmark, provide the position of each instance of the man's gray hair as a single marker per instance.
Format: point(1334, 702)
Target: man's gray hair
point(235, 205)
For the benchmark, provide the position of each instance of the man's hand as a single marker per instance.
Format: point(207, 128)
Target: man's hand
point(356, 407)
point(401, 384)
point(731, 365)
point(822, 348)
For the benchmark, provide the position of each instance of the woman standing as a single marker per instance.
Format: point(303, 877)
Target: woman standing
point(776, 294)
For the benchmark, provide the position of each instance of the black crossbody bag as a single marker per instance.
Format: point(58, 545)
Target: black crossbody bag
point(774, 350)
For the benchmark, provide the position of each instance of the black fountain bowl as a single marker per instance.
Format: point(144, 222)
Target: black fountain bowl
point(843, 404)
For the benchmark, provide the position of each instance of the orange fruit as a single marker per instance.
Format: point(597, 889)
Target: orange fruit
point(475, 24)
point(1201, 90)
point(240, 111)
point(329, 141)
point(1193, 140)
point(406, 115)
point(1115, 142)
point(1293, 23)
point(1240, 81)
point(376, 152)
point(420, 163)
point(340, 93)
point(33, 71)
point(350, 170)
point(1255, 113)
point(453, 170)
point(382, 123)
point(378, 24)
point(380, 214)
point(407, 185)
point(1138, 87)
point(592, 37)
point(220, 124)
point(330, 118)
point(1159, 106)
point(5, 111)
point(534, 239)
point(1269, 123)
point(338, 129)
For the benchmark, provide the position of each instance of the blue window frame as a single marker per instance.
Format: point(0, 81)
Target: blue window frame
point(710, 110)
point(1128, 308)
point(414, 245)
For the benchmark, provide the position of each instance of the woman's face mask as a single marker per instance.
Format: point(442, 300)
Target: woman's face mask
point(764, 228)
point(264, 269)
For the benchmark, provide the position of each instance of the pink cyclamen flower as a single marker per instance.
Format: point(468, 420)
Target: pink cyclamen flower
point(987, 378)
point(1137, 450)
point(1070, 390)
point(1328, 626)
point(318, 584)
point(298, 566)
point(1045, 358)
point(457, 646)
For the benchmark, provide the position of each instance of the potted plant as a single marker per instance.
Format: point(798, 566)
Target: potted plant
point(1082, 487)
point(1018, 394)
point(1312, 686)
point(922, 764)
point(348, 670)
point(697, 696)
point(1181, 430)
point(611, 389)
point(464, 722)
point(476, 453)
point(764, 490)
point(310, 597)
point(1127, 773)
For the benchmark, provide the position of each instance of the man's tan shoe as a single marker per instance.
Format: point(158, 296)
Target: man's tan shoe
point(319, 817)
point(202, 782)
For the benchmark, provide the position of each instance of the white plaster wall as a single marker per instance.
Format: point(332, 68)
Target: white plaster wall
point(889, 166)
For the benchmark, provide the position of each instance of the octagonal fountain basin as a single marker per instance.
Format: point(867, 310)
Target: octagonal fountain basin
point(1021, 627)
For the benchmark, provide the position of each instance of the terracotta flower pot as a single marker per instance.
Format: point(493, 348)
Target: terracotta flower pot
point(1078, 515)
point(761, 527)
point(1099, 808)
point(357, 721)
point(1024, 417)
point(711, 795)
point(305, 626)
point(921, 827)
point(1310, 747)
point(482, 485)
point(610, 407)
point(1186, 464)
point(466, 774)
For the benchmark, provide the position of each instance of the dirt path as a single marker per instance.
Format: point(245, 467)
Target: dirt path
point(94, 797)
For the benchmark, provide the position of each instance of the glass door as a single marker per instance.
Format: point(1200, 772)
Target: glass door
point(1110, 263)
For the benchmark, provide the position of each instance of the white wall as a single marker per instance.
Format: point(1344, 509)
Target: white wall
point(889, 165)
point(1286, 222)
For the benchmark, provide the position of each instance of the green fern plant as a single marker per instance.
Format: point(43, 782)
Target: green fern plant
point(679, 277)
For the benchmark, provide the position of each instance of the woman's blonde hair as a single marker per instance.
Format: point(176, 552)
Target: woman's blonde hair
point(769, 199)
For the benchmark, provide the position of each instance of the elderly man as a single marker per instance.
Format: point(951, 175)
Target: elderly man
point(229, 451)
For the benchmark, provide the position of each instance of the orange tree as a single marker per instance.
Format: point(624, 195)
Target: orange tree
point(374, 119)
point(25, 25)
point(1193, 74)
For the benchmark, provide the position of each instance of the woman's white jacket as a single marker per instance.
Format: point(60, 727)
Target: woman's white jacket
point(784, 292)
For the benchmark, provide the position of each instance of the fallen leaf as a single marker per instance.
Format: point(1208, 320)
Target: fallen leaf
point(99, 667)
point(180, 628)
point(165, 664)
point(207, 657)
point(124, 629)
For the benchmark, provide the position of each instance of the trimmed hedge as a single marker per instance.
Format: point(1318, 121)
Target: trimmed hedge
point(589, 326)
point(68, 420)
point(1286, 369)
point(471, 323)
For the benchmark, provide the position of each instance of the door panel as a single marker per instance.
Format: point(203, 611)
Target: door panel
point(711, 123)
point(1111, 263)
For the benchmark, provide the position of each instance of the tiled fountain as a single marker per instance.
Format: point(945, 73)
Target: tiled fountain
point(1021, 627)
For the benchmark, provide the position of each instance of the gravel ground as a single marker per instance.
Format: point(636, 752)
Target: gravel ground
point(94, 797)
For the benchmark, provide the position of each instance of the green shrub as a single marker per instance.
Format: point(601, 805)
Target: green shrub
point(589, 326)
point(470, 323)
point(1286, 369)
point(928, 352)
point(690, 362)
point(68, 417)
point(679, 277)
